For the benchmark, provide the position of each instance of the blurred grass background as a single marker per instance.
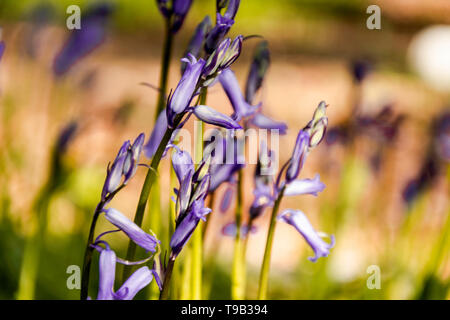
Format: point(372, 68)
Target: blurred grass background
point(313, 43)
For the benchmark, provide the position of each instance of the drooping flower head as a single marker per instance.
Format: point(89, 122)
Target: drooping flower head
point(107, 274)
point(258, 69)
point(299, 221)
point(82, 41)
point(197, 41)
point(132, 230)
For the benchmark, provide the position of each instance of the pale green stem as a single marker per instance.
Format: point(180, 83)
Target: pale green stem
point(264, 275)
point(238, 270)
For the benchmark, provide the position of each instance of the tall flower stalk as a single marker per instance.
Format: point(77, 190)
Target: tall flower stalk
point(307, 139)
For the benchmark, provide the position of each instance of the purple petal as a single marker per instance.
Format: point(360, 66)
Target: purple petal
point(242, 109)
point(185, 89)
point(230, 230)
point(2, 49)
point(211, 116)
point(157, 134)
point(298, 156)
point(131, 229)
point(304, 186)
point(107, 274)
point(226, 200)
point(83, 41)
point(135, 283)
point(187, 226)
point(264, 122)
point(114, 175)
point(299, 221)
point(182, 163)
point(132, 160)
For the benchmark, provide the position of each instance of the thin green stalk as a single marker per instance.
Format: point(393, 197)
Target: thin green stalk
point(238, 270)
point(197, 236)
point(165, 64)
point(89, 250)
point(264, 275)
point(30, 262)
point(155, 223)
point(145, 192)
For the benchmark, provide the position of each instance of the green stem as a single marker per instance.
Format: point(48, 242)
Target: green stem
point(238, 270)
point(165, 64)
point(166, 284)
point(264, 275)
point(89, 250)
point(30, 262)
point(197, 236)
point(145, 192)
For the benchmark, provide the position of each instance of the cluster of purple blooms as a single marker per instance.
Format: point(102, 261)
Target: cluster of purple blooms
point(208, 60)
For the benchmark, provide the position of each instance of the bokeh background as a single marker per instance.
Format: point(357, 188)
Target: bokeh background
point(384, 161)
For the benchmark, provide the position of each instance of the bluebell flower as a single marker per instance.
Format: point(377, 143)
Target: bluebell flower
point(211, 116)
point(227, 160)
point(226, 199)
point(242, 108)
point(132, 158)
point(66, 136)
point(299, 221)
point(230, 230)
point(264, 122)
point(263, 185)
point(107, 273)
point(258, 70)
point(304, 186)
point(175, 11)
point(182, 96)
point(157, 134)
point(197, 41)
point(298, 155)
point(217, 33)
point(132, 230)
point(2, 49)
point(115, 172)
point(83, 41)
point(194, 185)
point(186, 226)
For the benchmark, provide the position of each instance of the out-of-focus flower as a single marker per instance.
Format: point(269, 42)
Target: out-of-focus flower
point(299, 221)
point(242, 109)
point(83, 41)
point(437, 157)
point(360, 69)
point(227, 160)
point(136, 234)
point(264, 122)
point(230, 230)
point(107, 273)
point(304, 186)
point(182, 96)
point(2, 49)
point(65, 137)
point(258, 69)
point(174, 11)
point(157, 134)
point(198, 40)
